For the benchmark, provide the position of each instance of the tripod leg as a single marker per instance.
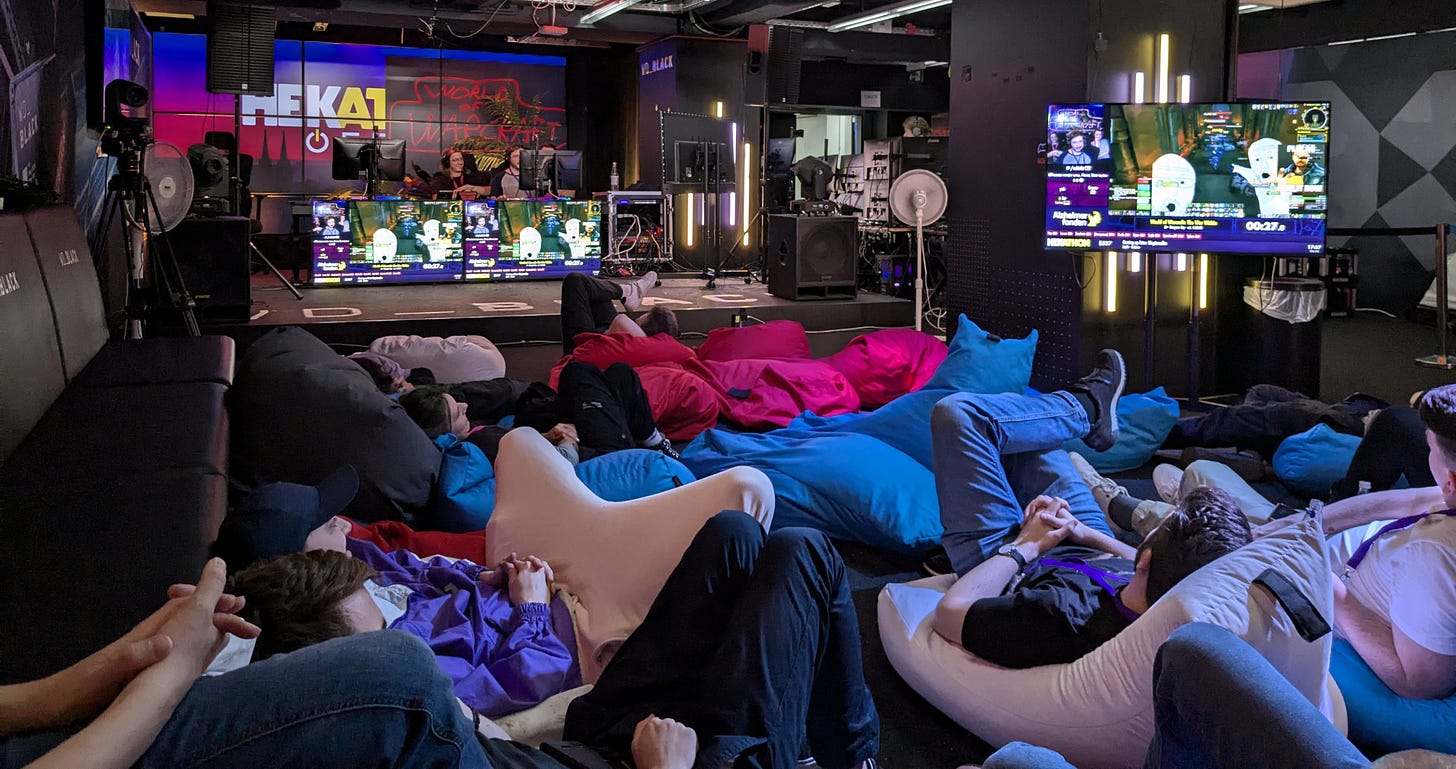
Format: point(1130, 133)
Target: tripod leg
point(279, 275)
point(164, 260)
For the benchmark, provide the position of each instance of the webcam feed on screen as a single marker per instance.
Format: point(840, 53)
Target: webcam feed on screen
point(1236, 178)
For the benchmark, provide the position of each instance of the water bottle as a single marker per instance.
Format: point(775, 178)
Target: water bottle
point(615, 179)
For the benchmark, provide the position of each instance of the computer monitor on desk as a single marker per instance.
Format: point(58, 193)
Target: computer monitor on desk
point(371, 159)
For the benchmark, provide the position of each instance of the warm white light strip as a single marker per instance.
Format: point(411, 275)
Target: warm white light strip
point(718, 109)
point(1162, 85)
point(691, 225)
point(1134, 262)
point(603, 11)
point(885, 14)
point(1139, 87)
point(1185, 89)
point(1203, 281)
point(1180, 262)
point(1111, 271)
point(746, 196)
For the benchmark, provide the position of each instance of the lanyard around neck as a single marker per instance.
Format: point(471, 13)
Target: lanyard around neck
point(1103, 579)
point(1403, 523)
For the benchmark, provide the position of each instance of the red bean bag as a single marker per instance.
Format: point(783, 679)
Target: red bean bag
point(775, 339)
point(683, 397)
point(886, 364)
point(602, 350)
point(764, 394)
point(393, 535)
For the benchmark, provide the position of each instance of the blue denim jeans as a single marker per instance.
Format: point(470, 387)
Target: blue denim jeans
point(1218, 703)
point(996, 453)
point(375, 699)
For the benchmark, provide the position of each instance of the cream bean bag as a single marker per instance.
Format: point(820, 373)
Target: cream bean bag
point(611, 558)
point(452, 359)
point(1098, 711)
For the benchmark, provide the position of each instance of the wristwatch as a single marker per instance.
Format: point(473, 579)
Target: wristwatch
point(1010, 551)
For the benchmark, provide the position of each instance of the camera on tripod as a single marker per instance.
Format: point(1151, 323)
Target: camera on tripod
point(126, 133)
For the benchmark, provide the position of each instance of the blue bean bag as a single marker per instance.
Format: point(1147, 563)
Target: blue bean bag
point(465, 495)
point(1310, 462)
point(850, 486)
point(981, 362)
point(1144, 421)
point(1383, 722)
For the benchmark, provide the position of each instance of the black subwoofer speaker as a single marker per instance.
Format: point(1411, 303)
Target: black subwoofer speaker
point(812, 257)
point(213, 255)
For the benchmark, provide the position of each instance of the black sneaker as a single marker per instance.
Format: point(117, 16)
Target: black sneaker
point(666, 448)
point(937, 563)
point(1104, 386)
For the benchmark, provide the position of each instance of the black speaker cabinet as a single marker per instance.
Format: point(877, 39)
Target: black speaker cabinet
point(812, 257)
point(213, 255)
point(240, 47)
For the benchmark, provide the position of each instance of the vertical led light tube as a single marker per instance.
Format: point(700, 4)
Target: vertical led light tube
point(692, 208)
point(1134, 262)
point(1139, 87)
point(1111, 270)
point(1162, 84)
point(1185, 89)
point(746, 196)
point(718, 109)
point(1203, 281)
point(1180, 262)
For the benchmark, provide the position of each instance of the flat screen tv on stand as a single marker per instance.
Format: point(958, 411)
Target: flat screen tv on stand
point(1231, 178)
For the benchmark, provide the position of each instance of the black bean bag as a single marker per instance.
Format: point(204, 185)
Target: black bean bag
point(300, 410)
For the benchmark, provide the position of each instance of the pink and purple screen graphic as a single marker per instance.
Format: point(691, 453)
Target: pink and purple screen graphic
point(327, 91)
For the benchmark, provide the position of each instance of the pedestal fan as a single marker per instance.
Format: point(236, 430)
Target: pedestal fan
point(918, 196)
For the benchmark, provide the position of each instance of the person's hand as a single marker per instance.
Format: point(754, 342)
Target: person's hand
point(662, 743)
point(1077, 532)
point(530, 579)
point(195, 621)
point(562, 433)
point(493, 578)
point(1041, 529)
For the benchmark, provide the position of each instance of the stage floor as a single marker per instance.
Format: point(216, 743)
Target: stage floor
point(529, 311)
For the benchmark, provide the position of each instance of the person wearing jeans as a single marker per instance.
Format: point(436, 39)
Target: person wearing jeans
point(1394, 445)
point(1217, 703)
point(753, 643)
point(994, 454)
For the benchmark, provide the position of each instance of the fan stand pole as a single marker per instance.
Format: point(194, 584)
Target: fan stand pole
point(919, 267)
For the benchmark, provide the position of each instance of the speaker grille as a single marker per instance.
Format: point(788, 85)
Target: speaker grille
point(240, 48)
point(826, 253)
point(785, 63)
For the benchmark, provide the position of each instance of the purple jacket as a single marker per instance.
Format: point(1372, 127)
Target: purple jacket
point(502, 658)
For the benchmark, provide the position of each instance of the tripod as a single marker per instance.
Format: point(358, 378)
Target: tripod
point(710, 156)
point(130, 192)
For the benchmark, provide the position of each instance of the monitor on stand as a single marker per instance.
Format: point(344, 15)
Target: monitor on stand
point(566, 166)
point(372, 159)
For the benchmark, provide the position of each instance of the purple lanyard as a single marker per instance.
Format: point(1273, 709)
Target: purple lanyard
point(1103, 579)
point(1403, 523)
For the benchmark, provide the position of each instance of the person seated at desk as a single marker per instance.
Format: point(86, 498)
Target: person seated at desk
point(455, 178)
point(506, 182)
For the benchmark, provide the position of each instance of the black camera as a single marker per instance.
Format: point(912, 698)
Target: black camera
point(125, 132)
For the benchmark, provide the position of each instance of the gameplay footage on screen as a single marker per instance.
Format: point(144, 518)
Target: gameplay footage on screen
point(358, 242)
point(1228, 178)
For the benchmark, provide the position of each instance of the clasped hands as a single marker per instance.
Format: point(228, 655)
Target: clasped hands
point(1046, 523)
point(529, 578)
point(189, 630)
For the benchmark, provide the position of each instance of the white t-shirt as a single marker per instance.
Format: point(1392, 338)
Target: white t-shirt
point(1408, 578)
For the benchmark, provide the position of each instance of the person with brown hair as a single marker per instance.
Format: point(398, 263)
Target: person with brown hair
point(492, 630)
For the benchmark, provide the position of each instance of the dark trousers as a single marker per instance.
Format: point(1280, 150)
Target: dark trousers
point(587, 305)
point(609, 408)
point(1268, 415)
point(752, 642)
point(1394, 445)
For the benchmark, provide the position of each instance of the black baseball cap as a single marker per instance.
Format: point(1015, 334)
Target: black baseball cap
point(276, 519)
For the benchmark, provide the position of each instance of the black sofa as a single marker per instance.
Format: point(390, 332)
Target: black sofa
point(113, 454)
